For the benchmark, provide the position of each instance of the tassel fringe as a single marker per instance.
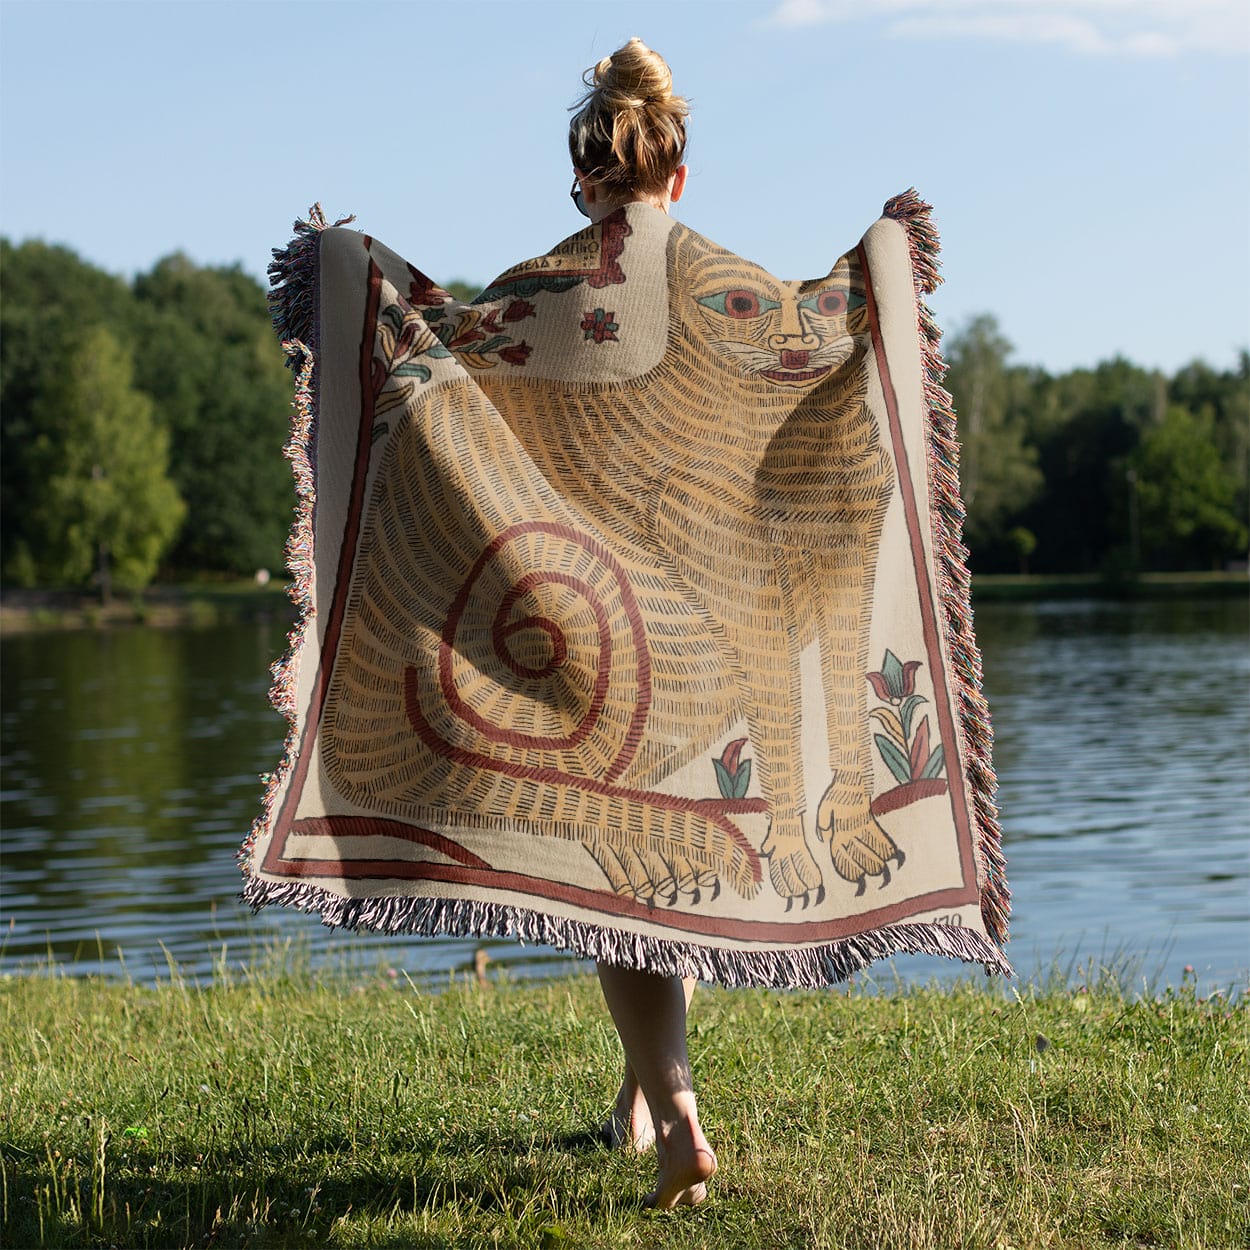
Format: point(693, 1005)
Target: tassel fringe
point(808, 968)
point(293, 303)
point(954, 581)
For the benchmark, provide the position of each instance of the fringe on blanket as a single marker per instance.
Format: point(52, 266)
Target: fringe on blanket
point(954, 588)
point(805, 968)
point(293, 305)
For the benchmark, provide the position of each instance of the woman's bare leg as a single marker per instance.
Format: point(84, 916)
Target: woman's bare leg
point(650, 1015)
point(629, 1125)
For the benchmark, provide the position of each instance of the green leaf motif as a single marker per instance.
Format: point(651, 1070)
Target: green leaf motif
point(895, 760)
point(420, 372)
point(906, 708)
point(934, 764)
point(491, 345)
point(723, 780)
point(394, 316)
point(742, 781)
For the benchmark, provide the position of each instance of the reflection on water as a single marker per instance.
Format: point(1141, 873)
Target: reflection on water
point(131, 761)
point(1121, 747)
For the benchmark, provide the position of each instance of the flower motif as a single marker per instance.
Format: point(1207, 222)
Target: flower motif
point(905, 751)
point(516, 354)
point(518, 310)
point(733, 773)
point(895, 681)
point(425, 291)
point(600, 326)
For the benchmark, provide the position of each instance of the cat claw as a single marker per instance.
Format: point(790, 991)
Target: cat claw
point(861, 883)
point(899, 858)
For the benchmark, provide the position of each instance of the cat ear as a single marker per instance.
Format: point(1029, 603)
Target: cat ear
point(845, 272)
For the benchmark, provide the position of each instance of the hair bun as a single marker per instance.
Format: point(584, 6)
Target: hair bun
point(634, 76)
point(629, 130)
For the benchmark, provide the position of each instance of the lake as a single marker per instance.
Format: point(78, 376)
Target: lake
point(130, 775)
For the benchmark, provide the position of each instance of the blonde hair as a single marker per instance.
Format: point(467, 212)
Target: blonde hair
point(629, 133)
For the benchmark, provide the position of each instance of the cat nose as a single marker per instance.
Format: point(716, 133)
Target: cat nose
point(792, 342)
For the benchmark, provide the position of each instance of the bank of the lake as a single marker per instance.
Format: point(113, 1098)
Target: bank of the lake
point(173, 606)
point(287, 1110)
point(230, 602)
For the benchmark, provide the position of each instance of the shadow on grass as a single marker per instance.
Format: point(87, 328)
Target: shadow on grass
point(257, 1198)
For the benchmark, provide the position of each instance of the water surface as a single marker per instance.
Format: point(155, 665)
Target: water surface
point(131, 760)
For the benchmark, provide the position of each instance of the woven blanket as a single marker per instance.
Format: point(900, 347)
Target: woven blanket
point(635, 619)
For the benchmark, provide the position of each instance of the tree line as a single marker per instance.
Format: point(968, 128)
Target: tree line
point(1113, 470)
point(142, 425)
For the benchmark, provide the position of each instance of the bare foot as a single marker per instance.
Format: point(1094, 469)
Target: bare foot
point(686, 1165)
point(629, 1126)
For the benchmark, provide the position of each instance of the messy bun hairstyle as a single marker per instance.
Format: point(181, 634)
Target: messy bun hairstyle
point(629, 131)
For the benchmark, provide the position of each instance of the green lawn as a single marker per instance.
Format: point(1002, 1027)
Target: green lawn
point(293, 1110)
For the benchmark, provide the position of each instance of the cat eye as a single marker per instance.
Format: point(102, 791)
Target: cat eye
point(832, 303)
point(739, 303)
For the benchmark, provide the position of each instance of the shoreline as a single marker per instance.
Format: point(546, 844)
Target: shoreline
point(204, 604)
point(173, 606)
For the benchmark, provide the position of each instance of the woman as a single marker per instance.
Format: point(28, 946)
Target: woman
point(597, 571)
point(628, 141)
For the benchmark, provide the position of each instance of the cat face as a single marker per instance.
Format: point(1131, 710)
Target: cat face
point(787, 333)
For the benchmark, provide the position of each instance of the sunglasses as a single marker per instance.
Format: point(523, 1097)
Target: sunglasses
point(576, 196)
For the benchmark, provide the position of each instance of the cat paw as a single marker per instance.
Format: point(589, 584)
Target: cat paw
point(858, 858)
point(792, 868)
point(652, 879)
point(858, 846)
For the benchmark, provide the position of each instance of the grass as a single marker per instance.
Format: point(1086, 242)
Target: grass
point(288, 1109)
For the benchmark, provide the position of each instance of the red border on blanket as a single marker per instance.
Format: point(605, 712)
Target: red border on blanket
point(470, 870)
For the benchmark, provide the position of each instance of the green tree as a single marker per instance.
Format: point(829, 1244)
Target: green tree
point(1223, 399)
point(51, 297)
point(104, 503)
point(1086, 424)
point(208, 358)
point(1186, 495)
point(997, 467)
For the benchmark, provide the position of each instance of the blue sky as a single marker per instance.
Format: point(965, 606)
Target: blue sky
point(1088, 160)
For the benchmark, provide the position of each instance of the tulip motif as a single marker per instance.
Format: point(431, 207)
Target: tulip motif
point(733, 773)
point(905, 751)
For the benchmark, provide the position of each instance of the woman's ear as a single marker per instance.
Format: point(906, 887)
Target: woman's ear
point(678, 184)
point(588, 186)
